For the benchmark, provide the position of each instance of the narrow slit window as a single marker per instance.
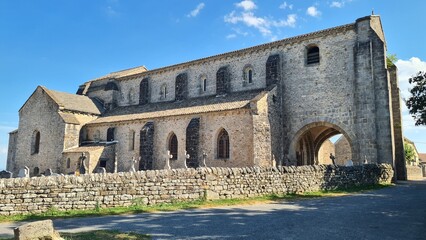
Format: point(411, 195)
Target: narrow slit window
point(35, 146)
point(132, 140)
point(173, 146)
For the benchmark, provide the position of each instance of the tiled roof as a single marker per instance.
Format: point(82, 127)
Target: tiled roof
point(84, 149)
point(237, 100)
point(73, 102)
point(69, 118)
point(124, 73)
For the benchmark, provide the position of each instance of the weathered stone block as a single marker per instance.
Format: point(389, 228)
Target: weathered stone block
point(40, 230)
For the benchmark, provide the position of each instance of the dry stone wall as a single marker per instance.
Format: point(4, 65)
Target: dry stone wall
point(38, 194)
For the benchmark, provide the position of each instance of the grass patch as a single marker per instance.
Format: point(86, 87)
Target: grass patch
point(102, 235)
point(137, 207)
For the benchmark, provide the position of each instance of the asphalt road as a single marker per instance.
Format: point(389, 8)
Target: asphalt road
point(391, 213)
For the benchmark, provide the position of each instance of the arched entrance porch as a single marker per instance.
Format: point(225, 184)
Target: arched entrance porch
point(314, 142)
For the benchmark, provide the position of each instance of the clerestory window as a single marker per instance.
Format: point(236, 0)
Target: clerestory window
point(313, 55)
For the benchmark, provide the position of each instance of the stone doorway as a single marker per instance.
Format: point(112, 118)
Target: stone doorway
point(315, 142)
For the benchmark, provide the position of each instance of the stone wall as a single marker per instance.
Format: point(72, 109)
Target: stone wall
point(414, 172)
point(38, 194)
point(343, 150)
point(39, 113)
point(324, 153)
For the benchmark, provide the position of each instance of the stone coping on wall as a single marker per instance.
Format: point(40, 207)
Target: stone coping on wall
point(39, 194)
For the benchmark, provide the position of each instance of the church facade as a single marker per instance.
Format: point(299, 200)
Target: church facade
point(269, 105)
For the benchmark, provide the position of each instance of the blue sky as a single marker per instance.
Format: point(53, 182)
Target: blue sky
point(61, 44)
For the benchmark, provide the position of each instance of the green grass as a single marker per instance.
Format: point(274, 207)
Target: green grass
point(102, 235)
point(140, 208)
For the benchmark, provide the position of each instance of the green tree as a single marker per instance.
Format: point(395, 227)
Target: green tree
point(410, 155)
point(391, 59)
point(416, 103)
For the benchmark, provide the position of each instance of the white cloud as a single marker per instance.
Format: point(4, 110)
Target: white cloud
point(313, 11)
point(289, 22)
point(407, 69)
point(247, 5)
point(337, 4)
point(196, 11)
point(250, 20)
point(285, 5)
point(230, 36)
point(264, 25)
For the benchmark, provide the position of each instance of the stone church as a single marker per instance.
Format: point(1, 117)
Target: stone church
point(269, 105)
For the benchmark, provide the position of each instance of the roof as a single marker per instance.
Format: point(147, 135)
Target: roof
point(69, 118)
point(124, 73)
point(74, 102)
point(84, 149)
point(422, 157)
point(232, 101)
point(133, 72)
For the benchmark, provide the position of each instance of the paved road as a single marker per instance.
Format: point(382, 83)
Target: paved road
point(392, 213)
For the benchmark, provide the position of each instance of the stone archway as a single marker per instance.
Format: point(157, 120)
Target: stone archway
point(311, 144)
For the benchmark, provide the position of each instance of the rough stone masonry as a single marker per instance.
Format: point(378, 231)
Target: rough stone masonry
point(39, 194)
point(269, 105)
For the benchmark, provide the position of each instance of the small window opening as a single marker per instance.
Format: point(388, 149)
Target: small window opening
point(204, 84)
point(35, 146)
point(313, 55)
point(132, 140)
point(68, 163)
point(164, 91)
point(103, 163)
point(110, 134)
point(173, 146)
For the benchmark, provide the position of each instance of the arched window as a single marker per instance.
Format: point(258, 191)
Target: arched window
point(35, 144)
point(132, 135)
point(223, 144)
point(173, 146)
point(144, 91)
point(204, 83)
point(130, 96)
point(111, 85)
point(312, 55)
point(248, 74)
point(110, 134)
point(222, 80)
point(163, 91)
point(181, 85)
point(68, 163)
